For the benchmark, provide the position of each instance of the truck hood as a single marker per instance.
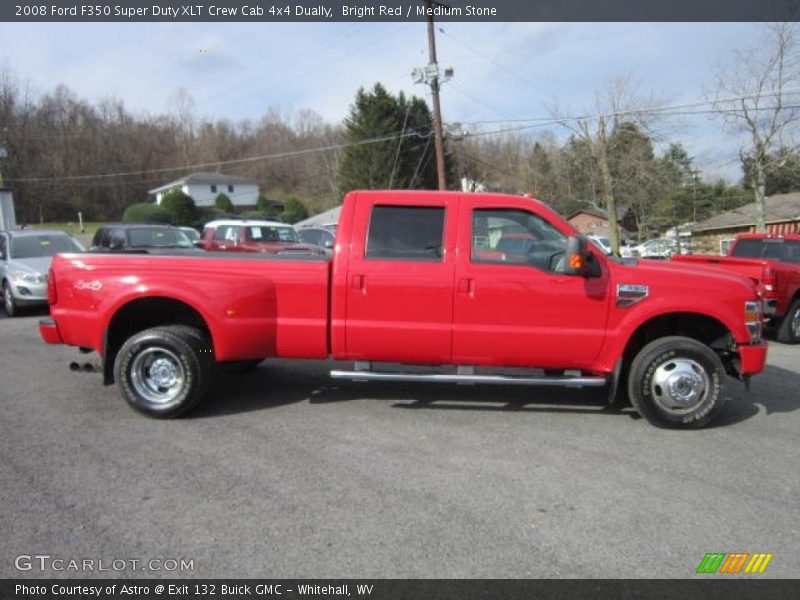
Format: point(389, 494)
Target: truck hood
point(693, 276)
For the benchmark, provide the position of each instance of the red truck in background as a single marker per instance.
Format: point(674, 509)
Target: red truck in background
point(426, 278)
point(270, 237)
point(774, 262)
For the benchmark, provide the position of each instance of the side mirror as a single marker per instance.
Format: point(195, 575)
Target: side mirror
point(117, 244)
point(578, 259)
point(197, 243)
point(329, 244)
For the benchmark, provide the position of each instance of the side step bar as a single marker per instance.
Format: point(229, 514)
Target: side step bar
point(570, 382)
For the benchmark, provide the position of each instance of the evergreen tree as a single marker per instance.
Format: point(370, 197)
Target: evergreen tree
point(406, 162)
point(223, 203)
point(180, 206)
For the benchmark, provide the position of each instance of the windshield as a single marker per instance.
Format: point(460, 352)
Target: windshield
point(35, 246)
point(151, 237)
point(774, 249)
point(271, 233)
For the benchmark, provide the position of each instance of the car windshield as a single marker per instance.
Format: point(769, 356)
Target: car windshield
point(152, 237)
point(271, 233)
point(35, 246)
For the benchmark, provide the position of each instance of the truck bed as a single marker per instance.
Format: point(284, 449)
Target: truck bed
point(255, 305)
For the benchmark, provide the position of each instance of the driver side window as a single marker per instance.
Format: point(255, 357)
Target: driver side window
point(516, 237)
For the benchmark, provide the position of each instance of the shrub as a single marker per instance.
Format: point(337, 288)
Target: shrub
point(180, 206)
point(294, 210)
point(223, 203)
point(265, 207)
point(204, 215)
point(146, 212)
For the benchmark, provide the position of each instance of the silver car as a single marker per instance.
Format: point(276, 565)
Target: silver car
point(25, 256)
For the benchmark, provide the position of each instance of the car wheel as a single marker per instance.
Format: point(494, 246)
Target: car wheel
point(9, 303)
point(677, 382)
point(163, 372)
point(789, 329)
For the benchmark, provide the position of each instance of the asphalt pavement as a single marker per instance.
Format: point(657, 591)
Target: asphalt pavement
point(284, 473)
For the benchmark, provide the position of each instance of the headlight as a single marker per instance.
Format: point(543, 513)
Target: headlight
point(753, 319)
point(26, 277)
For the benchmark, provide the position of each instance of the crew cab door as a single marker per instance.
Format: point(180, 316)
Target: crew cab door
point(400, 279)
point(512, 307)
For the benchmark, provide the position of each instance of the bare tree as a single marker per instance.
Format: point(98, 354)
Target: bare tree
point(615, 102)
point(753, 96)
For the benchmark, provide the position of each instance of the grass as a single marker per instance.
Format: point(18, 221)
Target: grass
point(71, 228)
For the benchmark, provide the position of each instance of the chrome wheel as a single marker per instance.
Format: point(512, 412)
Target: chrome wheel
point(158, 375)
point(679, 385)
point(796, 324)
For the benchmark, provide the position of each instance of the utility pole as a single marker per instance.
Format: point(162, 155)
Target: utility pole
point(437, 109)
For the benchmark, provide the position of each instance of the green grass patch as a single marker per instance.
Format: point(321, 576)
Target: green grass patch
point(71, 228)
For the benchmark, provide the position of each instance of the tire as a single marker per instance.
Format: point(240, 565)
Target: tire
point(677, 382)
point(9, 303)
point(236, 367)
point(789, 329)
point(182, 358)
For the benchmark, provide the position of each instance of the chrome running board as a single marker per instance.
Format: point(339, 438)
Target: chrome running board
point(560, 381)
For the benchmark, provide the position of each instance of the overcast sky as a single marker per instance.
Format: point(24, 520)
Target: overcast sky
point(503, 71)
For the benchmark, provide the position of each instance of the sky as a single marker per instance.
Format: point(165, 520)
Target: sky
point(503, 71)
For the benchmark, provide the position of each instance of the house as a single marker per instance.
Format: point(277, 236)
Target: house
point(329, 218)
point(715, 235)
point(594, 221)
point(205, 187)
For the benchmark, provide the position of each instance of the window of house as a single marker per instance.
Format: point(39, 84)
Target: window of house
point(511, 236)
point(213, 189)
point(725, 246)
point(230, 189)
point(406, 232)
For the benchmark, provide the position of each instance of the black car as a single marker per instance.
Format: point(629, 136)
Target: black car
point(138, 236)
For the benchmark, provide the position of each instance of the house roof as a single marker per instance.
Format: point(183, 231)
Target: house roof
point(329, 217)
point(779, 208)
point(600, 213)
point(204, 178)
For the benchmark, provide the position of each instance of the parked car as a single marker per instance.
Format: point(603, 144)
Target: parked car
point(322, 237)
point(138, 236)
point(774, 262)
point(191, 233)
point(658, 248)
point(268, 237)
point(601, 242)
point(416, 280)
point(25, 256)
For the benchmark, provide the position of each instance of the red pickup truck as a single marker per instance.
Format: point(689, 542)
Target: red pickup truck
point(774, 262)
point(428, 278)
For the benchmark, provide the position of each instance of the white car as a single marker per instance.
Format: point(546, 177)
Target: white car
point(656, 248)
point(25, 256)
point(601, 242)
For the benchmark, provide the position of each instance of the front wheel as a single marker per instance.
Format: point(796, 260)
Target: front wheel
point(9, 303)
point(789, 329)
point(162, 372)
point(677, 382)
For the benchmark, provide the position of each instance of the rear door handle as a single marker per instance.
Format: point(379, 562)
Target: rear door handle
point(357, 282)
point(467, 286)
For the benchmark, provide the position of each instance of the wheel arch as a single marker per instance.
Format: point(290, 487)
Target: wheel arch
point(143, 313)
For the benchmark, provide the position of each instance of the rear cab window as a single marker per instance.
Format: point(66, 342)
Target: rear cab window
point(413, 233)
point(770, 248)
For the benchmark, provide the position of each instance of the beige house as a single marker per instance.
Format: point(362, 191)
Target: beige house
point(715, 235)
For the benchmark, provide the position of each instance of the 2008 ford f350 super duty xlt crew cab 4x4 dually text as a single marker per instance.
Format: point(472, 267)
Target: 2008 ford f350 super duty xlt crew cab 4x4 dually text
point(466, 282)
